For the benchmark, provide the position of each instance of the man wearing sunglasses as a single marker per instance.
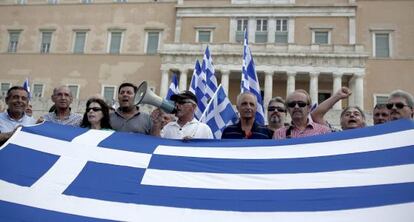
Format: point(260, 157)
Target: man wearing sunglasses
point(400, 104)
point(276, 113)
point(186, 126)
point(299, 105)
point(247, 127)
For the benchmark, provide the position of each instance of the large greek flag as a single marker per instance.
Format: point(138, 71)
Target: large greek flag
point(198, 87)
point(249, 80)
point(59, 173)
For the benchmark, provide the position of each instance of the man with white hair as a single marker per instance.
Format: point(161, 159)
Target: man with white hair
point(400, 103)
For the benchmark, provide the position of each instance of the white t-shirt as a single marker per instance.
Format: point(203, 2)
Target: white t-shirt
point(192, 129)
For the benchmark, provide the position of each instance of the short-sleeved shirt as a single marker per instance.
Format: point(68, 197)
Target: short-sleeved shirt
point(8, 124)
point(257, 132)
point(311, 129)
point(139, 123)
point(74, 119)
point(193, 129)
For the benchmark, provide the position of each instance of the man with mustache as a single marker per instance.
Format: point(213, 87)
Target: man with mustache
point(247, 127)
point(276, 113)
point(186, 126)
point(299, 106)
point(400, 104)
point(62, 98)
point(17, 100)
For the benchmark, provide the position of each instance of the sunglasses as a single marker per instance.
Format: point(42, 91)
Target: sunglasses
point(95, 109)
point(398, 105)
point(181, 102)
point(273, 108)
point(301, 104)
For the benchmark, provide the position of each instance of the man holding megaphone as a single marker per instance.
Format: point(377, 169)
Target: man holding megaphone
point(186, 126)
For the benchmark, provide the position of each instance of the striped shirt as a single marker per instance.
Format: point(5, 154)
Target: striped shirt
point(235, 132)
point(311, 129)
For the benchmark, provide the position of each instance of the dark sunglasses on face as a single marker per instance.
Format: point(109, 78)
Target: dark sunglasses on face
point(301, 104)
point(273, 108)
point(181, 102)
point(398, 105)
point(95, 109)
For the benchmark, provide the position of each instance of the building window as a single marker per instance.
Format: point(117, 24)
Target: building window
point(46, 41)
point(115, 42)
point(53, 2)
point(86, 1)
point(281, 35)
point(321, 37)
point(37, 91)
point(120, 1)
point(153, 40)
point(261, 31)
point(109, 94)
point(381, 45)
point(13, 41)
point(80, 39)
point(204, 36)
point(21, 2)
point(74, 89)
point(380, 99)
point(4, 87)
point(241, 26)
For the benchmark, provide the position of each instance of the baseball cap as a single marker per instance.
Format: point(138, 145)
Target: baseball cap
point(183, 96)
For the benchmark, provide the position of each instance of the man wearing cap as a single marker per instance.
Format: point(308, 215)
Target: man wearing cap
point(186, 126)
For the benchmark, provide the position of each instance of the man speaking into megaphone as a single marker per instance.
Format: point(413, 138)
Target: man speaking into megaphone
point(186, 126)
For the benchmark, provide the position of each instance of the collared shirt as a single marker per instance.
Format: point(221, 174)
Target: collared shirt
point(235, 132)
point(8, 124)
point(139, 123)
point(192, 129)
point(74, 119)
point(311, 129)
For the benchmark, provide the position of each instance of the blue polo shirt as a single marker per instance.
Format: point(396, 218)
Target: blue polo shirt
point(258, 132)
point(8, 124)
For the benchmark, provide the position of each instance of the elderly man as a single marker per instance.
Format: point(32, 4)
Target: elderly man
point(17, 99)
point(352, 117)
point(247, 127)
point(127, 117)
point(400, 104)
point(185, 127)
point(380, 114)
point(62, 98)
point(276, 113)
point(299, 105)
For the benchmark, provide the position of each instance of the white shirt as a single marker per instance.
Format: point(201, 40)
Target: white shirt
point(8, 124)
point(192, 129)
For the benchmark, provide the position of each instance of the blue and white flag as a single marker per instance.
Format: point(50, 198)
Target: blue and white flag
point(173, 89)
point(52, 172)
point(26, 86)
point(219, 113)
point(249, 80)
point(208, 68)
point(198, 87)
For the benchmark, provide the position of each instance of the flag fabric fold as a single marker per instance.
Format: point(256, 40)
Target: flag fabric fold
point(26, 86)
point(249, 80)
point(173, 89)
point(198, 87)
point(219, 113)
point(52, 172)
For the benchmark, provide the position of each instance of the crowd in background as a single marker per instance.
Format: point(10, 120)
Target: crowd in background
point(305, 121)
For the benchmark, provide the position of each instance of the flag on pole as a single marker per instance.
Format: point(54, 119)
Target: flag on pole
point(249, 80)
point(197, 86)
point(208, 68)
point(173, 89)
point(219, 113)
point(26, 86)
point(52, 172)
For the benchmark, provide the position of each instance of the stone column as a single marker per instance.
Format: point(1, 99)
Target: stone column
point(268, 87)
point(352, 30)
point(183, 80)
point(164, 83)
point(313, 86)
point(290, 86)
point(251, 27)
point(271, 30)
point(359, 90)
point(225, 80)
point(337, 84)
point(233, 29)
point(177, 36)
point(351, 99)
point(291, 30)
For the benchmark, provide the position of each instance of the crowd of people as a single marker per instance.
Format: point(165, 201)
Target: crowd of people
point(183, 125)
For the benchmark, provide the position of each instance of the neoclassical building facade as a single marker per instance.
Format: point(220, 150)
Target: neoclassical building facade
point(316, 45)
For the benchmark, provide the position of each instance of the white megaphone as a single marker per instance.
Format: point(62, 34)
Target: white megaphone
point(146, 96)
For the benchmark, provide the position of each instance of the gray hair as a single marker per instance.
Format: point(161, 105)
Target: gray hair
point(60, 87)
point(276, 99)
point(355, 107)
point(245, 93)
point(403, 94)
